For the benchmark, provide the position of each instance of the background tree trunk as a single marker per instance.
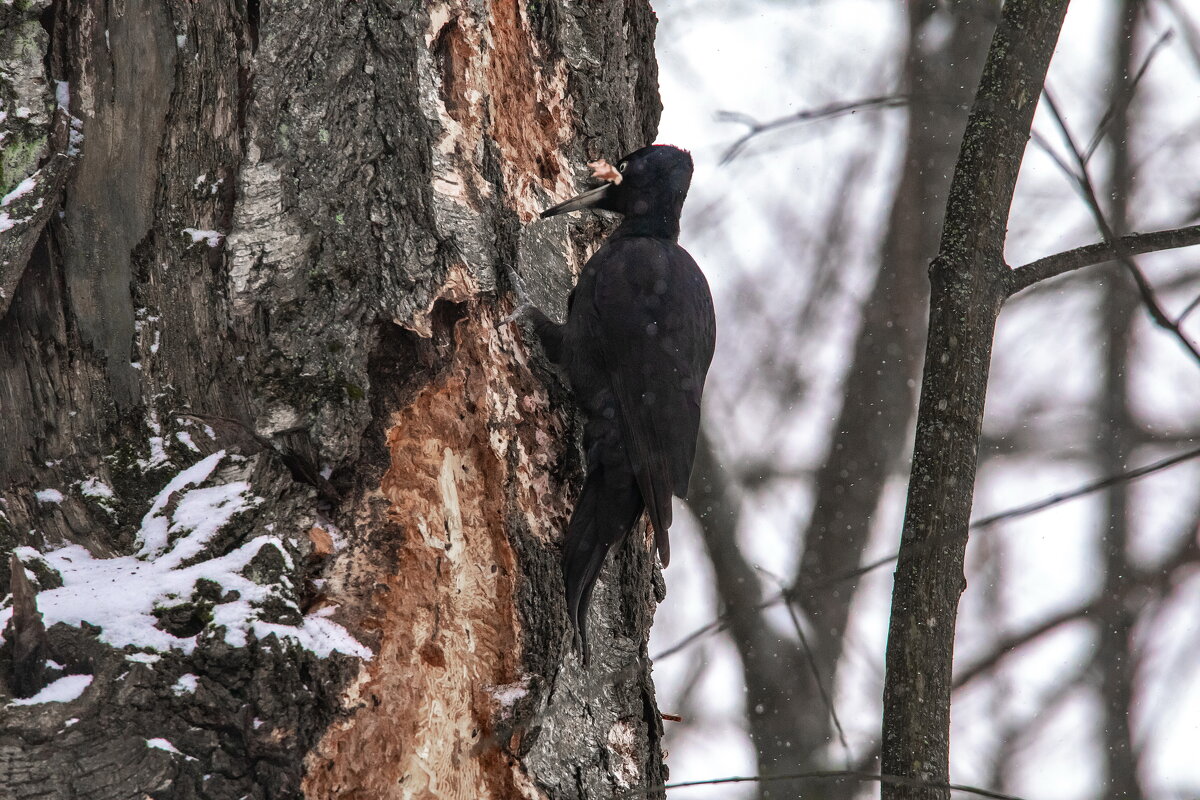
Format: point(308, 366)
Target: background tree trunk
point(254, 355)
point(788, 716)
point(1116, 658)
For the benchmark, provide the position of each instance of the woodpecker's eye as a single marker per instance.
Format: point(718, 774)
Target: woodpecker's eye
point(621, 166)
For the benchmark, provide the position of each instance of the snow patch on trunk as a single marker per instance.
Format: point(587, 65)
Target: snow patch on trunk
point(126, 595)
point(63, 690)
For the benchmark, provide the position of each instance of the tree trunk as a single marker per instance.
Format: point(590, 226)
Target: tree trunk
point(968, 278)
point(285, 494)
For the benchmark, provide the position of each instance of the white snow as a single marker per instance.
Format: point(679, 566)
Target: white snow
point(185, 439)
point(121, 594)
point(163, 744)
point(94, 487)
point(99, 492)
point(49, 496)
point(63, 690)
point(62, 93)
point(186, 684)
point(144, 658)
point(75, 138)
point(508, 694)
point(211, 238)
point(153, 534)
point(24, 187)
point(158, 454)
point(7, 222)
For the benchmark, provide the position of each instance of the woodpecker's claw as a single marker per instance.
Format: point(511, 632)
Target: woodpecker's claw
point(518, 314)
point(524, 304)
point(518, 287)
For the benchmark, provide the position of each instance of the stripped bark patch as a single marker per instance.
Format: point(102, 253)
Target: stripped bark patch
point(434, 580)
point(531, 119)
point(455, 53)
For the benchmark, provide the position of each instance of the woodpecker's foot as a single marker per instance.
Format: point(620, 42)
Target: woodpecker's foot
point(524, 304)
point(520, 314)
point(517, 284)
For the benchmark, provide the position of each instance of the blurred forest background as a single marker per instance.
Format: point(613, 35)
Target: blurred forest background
point(1079, 633)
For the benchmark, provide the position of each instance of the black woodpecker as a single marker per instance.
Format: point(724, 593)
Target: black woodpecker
point(635, 348)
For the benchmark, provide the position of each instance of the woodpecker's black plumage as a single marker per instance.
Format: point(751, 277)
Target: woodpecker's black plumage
point(636, 346)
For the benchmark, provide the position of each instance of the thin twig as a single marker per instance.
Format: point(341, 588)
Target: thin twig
point(1126, 95)
point(1188, 309)
point(1010, 644)
point(1156, 577)
point(1191, 36)
point(1087, 488)
point(722, 622)
point(831, 111)
point(719, 624)
point(835, 775)
point(810, 657)
point(1083, 183)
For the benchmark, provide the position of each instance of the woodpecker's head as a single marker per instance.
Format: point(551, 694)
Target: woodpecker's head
point(651, 182)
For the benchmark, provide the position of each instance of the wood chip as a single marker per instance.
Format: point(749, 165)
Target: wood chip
point(605, 171)
point(322, 542)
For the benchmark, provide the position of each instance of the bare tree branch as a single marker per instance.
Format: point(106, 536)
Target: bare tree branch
point(1087, 488)
point(967, 292)
point(722, 622)
point(818, 679)
point(1010, 644)
point(1101, 252)
point(1157, 577)
point(831, 111)
point(1191, 35)
point(1083, 183)
point(1119, 104)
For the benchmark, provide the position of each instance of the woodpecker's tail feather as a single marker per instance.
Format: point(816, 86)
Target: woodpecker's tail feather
point(608, 508)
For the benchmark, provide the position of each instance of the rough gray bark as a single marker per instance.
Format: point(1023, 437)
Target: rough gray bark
point(968, 280)
point(278, 237)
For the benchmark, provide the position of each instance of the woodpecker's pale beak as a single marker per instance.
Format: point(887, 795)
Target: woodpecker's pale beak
point(588, 199)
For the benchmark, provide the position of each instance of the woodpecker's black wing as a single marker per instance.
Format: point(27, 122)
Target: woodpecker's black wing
point(652, 315)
